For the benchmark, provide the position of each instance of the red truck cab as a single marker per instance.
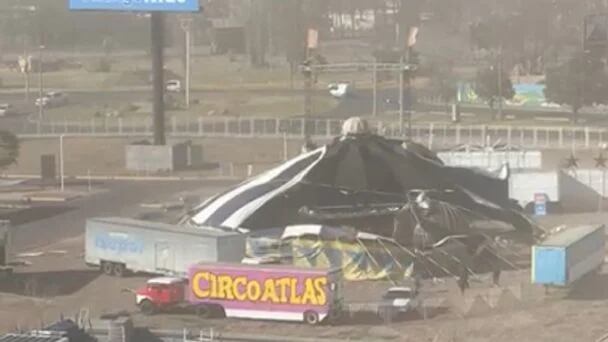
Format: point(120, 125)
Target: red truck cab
point(160, 294)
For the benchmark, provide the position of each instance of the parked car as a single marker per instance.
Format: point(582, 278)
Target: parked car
point(52, 99)
point(174, 86)
point(6, 109)
point(398, 301)
point(339, 90)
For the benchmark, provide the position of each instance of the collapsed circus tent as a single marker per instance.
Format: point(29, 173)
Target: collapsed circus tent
point(362, 256)
point(359, 256)
point(355, 173)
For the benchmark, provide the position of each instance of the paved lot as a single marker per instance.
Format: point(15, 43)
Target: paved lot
point(45, 224)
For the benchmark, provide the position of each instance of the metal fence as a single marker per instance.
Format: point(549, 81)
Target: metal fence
point(430, 134)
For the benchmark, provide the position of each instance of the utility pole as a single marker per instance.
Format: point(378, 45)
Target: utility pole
point(401, 89)
point(408, 58)
point(499, 70)
point(186, 24)
point(40, 67)
point(61, 163)
point(375, 90)
point(307, 70)
point(40, 84)
point(157, 41)
point(25, 63)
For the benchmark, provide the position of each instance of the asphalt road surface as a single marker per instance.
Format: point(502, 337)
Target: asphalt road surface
point(55, 222)
point(357, 104)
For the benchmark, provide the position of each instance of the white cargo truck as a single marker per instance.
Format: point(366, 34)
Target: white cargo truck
point(119, 245)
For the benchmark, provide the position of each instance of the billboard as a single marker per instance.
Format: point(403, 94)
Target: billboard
point(136, 5)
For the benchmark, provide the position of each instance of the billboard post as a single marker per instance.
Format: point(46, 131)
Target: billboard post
point(156, 9)
point(158, 108)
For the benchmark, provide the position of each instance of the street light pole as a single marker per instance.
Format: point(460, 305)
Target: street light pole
point(401, 104)
point(40, 84)
point(61, 162)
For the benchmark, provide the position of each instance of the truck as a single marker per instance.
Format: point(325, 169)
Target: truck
point(120, 245)
point(266, 292)
point(568, 255)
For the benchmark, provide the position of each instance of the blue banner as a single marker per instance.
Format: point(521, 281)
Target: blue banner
point(136, 5)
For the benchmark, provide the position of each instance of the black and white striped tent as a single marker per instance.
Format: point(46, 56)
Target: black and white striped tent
point(352, 172)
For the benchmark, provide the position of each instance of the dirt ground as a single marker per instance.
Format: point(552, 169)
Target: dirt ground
point(106, 156)
point(57, 282)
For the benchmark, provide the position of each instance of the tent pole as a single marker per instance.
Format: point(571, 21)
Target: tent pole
point(373, 259)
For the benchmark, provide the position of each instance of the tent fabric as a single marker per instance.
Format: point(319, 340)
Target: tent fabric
point(322, 232)
point(365, 256)
point(232, 208)
point(360, 256)
point(351, 258)
point(353, 172)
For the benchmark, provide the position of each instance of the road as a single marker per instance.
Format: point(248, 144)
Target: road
point(358, 104)
point(56, 222)
point(361, 103)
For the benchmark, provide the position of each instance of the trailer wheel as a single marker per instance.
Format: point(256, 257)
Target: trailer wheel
point(107, 267)
point(218, 311)
point(204, 311)
point(147, 307)
point(118, 269)
point(335, 316)
point(311, 317)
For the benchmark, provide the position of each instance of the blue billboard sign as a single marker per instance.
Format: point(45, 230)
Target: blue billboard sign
point(136, 5)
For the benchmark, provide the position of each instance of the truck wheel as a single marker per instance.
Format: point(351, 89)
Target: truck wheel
point(118, 269)
point(107, 267)
point(147, 307)
point(311, 317)
point(204, 311)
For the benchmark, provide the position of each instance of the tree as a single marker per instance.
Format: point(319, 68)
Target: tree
point(581, 81)
point(9, 149)
point(486, 86)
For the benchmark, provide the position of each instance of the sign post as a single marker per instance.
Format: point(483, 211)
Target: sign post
point(157, 9)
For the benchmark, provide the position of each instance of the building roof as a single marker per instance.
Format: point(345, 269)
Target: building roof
point(30, 338)
point(568, 236)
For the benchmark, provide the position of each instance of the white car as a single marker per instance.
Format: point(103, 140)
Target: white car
point(6, 109)
point(339, 90)
point(398, 300)
point(174, 86)
point(52, 99)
